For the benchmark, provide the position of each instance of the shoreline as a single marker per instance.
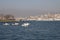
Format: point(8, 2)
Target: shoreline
point(25, 20)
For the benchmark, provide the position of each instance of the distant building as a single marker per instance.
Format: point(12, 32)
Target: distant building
point(18, 19)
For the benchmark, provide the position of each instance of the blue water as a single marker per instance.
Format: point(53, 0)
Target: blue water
point(37, 30)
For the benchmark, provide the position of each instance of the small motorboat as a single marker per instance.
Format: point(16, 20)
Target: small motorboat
point(5, 24)
point(15, 24)
point(25, 24)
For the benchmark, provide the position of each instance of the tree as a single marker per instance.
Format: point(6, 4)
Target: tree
point(9, 17)
point(1, 16)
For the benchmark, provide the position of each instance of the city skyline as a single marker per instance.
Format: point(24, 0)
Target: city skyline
point(29, 7)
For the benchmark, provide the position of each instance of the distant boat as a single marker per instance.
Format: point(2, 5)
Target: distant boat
point(15, 24)
point(5, 24)
point(25, 24)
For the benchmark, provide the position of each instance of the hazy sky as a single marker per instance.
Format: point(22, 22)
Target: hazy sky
point(28, 7)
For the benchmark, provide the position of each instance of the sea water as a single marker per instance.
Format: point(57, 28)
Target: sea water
point(37, 30)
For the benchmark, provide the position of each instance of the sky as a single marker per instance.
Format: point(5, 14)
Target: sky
point(23, 8)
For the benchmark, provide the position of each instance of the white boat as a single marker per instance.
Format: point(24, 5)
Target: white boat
point(15, 24)
point(6, 24)
point(25, 24)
